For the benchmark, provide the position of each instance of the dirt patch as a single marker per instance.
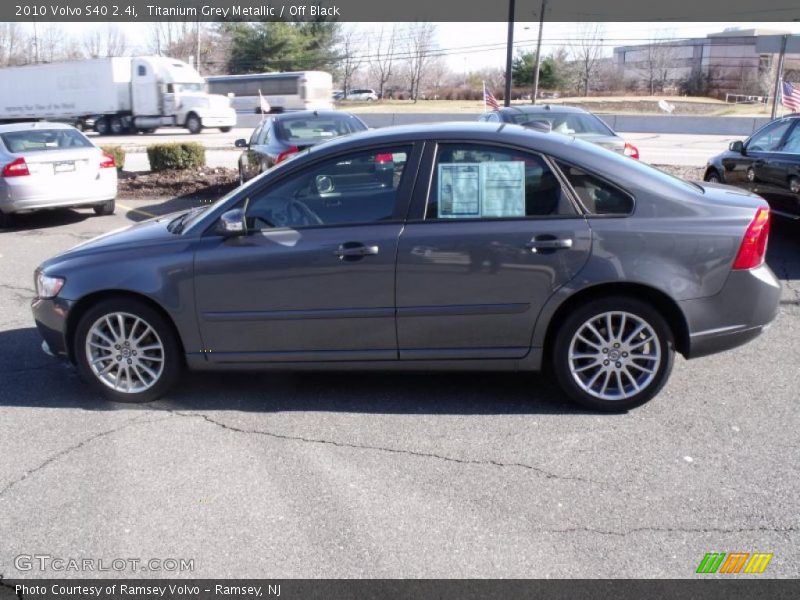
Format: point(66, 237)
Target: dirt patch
point(202, 183)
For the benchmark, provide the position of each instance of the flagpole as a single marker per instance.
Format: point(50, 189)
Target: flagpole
point(779, 78)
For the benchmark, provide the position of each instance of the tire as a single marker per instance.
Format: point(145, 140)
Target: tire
point(101, 126)
point(5, 220)
point(751, 175)
point(116, 126)
point(194, 124)
point(226, 129)
point(713, 176)
point(98, 340)
point(241, 176)
point(583, 377)
point(105, 208)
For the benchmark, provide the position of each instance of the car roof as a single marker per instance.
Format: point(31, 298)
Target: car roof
point(32, 125)
point(543, 108)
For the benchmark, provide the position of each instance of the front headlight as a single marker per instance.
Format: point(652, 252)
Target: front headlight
point(46, 286)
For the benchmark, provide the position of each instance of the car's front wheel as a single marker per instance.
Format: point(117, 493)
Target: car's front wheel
point(713, 176)
point(613, 354)
point(127, 350)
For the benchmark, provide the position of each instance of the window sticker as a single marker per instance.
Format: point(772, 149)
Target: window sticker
point(487, 189)
point(459, 190)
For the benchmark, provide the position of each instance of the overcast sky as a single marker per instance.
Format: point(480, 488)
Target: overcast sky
point(472, 46)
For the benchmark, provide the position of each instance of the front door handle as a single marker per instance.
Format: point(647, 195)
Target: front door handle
point(549, 243)
point(355, 250)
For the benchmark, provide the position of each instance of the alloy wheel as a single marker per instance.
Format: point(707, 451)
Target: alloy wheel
point(125, 353)
point(614, 355)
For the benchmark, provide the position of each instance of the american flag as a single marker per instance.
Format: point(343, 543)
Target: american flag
point(790, 96)
point(489, 99)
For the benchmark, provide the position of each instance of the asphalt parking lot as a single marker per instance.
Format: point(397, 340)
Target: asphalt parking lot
point(394, 475)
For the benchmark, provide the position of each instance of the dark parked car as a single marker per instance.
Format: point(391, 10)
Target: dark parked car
point(569, 120)
point(280, 136)
point(767, 163)
point(461, 247)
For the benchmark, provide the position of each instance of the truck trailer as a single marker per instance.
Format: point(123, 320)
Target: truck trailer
point(114, 95)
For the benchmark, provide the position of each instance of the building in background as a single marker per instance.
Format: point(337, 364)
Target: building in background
point(718, 64)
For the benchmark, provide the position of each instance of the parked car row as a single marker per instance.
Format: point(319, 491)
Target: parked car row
point(456, 247)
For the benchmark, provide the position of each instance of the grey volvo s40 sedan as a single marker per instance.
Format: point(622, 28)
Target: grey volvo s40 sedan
point(452, 247)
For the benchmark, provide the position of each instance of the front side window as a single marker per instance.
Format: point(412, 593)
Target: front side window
point(472, 181)
point(597, 196)
point(769, 138)
point(352, 189)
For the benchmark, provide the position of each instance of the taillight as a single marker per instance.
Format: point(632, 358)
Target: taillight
point(384, 158)
point(286, 154)
point(754, 245)
point(16, 168)
point(107, 162)
point(631, 151)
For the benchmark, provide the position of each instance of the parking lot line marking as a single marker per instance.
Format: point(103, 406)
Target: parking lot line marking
point(136, 210)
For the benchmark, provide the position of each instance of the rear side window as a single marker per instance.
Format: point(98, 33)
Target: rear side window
point(315, 129)
point(473, 181)
point(33, 140)
point(596, 195)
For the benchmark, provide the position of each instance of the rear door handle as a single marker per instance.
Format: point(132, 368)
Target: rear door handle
point(549, 244)
point(355, 250)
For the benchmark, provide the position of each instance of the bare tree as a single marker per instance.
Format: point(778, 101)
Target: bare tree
point(437, 75)
point(350, 57)
point(383, 63)
point(586, 51)
point(421, 45)
point(194, 42)
point(110, 41)
point(658, 57)
point(12, 42)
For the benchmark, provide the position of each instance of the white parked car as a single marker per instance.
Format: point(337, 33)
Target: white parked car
point(362, 94)
point(52, 165)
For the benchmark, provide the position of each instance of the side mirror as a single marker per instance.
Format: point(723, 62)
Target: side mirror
point(240, 143)
point(231, 223)
point(737, 146)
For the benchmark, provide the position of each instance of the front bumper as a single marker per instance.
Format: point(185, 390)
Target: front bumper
point(50, 315)
point(746, 305)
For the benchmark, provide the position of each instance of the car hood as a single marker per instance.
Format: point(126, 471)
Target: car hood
point(152, 231)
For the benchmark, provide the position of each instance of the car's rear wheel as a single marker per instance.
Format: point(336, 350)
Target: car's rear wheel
point(105, 208)
point(5, 220)
point(613, 354)
point(101, 126)
point(127, 350)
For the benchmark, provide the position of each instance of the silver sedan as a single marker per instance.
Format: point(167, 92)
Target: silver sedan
point(53, 165)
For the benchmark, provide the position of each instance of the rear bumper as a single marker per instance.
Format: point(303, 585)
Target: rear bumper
point(23, 196)
point(50, 316)
point(744, 308)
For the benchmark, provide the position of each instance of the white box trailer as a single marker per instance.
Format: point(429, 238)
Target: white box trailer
point(114, 95)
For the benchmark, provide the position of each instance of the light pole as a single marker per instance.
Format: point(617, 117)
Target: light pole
point(509, 53)
point(538, 54)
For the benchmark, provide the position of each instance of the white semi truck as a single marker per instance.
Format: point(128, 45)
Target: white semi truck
point(114, 95)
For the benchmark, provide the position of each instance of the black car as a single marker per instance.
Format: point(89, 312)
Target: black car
point(569, 120)
point(281, 135)
point(767, 163)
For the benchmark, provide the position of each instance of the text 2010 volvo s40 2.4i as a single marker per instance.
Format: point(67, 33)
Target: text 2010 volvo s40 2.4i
point(452, 247)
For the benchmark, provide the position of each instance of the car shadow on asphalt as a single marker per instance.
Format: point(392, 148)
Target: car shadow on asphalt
point(33, 379)
point(46, 219)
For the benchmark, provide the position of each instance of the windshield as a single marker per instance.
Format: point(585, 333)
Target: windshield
point(190, 87)
point(566, 123)
point(35, 140)
point(314, 129)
